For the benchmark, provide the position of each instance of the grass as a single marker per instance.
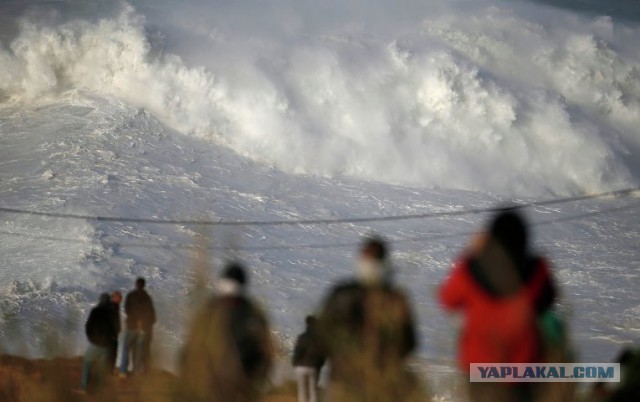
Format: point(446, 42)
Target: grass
point(54, 380)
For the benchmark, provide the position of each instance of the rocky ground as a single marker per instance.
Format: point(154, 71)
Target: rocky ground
point(57, 380)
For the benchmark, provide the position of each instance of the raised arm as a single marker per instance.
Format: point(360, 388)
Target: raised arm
point(453, 291)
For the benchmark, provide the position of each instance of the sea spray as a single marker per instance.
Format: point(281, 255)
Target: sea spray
point(490, 101)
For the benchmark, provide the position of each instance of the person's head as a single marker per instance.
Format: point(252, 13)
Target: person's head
point(373, 267)
point(310, 321)
point(625, 356)
point(509, 229)
point(104, 298)
point(116, 297)
point(233, 279)
point(140, 283)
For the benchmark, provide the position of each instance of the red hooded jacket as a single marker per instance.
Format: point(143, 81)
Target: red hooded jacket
point(497, 329)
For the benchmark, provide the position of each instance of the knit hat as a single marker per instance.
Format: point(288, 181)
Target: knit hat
point(235, 272)
point(373, 267)
point(375, 247)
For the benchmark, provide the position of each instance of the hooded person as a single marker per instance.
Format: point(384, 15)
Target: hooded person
point(501, 288)
point(367, 330)
point(100, 331)
point(228, 354)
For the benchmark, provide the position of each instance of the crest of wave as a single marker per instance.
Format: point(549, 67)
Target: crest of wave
point(490, 102)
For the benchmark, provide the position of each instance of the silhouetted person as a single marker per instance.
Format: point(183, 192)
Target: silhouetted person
point(141, 316)
point(228, 354)
point(100, 331)
point(116, 299)
point(629, 388)
point(308, 359)
point(367, 328)
point(599, 393)
point(502, 289)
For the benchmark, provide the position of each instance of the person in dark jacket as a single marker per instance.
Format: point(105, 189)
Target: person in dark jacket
point(141, 317)
point(367, 329)
point(228, 353)
point(629, 387)
point(116, 299)
point(308, 359)
point(100, 331)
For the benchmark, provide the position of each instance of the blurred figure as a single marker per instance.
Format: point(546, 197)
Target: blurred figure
point(367, 329)
point(100, 331)
point(502, 290)
point(629, 387)
point(141, 316)
point(228, 354)
point(116, 299)
point(308, 359)
point(599, 393)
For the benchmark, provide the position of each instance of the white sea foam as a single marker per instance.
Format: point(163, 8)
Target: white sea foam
point(484, 100)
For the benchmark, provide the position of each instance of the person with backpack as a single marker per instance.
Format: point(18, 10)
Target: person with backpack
point(141, 317)
point(100, 331)
point(228, 353)
point(367, 328)
point(502, 289)
point(308, 359)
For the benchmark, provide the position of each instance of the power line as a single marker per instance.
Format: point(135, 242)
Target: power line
point(324, 221)
point(179, 246)
point(433, 236)
point(569, 218)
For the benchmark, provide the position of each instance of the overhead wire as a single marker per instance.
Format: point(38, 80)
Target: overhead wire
point(433, 236)
point(325, 221)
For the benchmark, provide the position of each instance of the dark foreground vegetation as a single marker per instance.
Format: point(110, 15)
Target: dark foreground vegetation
point(56, 380)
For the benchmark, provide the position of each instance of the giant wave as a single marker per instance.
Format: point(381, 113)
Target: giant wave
point(488, 101)
point(487, 96)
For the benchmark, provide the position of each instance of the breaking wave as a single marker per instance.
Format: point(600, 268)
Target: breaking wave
point(487, 100)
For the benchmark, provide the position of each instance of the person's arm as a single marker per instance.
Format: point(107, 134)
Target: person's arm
point(110, 325)
point(326, 323)
point(152, 311)
point(454, 289)
point(322, 354)
point(127, 305)
point(117, 319)
point(409, 330)
point(263, 338)
point(544, 290)
point(297, 351)
point(89, 326)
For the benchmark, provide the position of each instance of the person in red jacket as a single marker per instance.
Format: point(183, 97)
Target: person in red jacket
point(501, 288)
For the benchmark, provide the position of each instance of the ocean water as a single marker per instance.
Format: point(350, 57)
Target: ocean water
point(425, 96)
point(298, 109)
